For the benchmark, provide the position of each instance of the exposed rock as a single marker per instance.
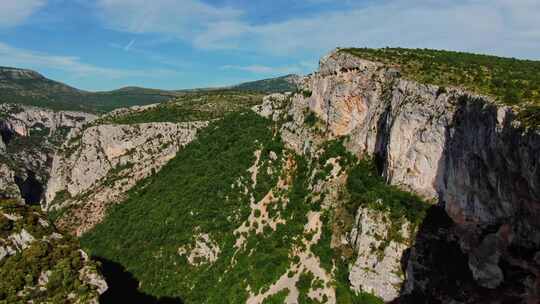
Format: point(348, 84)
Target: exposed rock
point(30, 135)
point(21, 240)
point(92, 277)
point(95, 168)
point(203, 252)
point(377, 268)
point(460, 149)
point(484, 263)
point(8, 187)
point(24, 118)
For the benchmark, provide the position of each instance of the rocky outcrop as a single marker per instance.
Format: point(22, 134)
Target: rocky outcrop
point(30, 135)
point(459, 149)
point(41, 264)
point(92, 170)
point(377, 268)
point(8, 186)
point(21, 120)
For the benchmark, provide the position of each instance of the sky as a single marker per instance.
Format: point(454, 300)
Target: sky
point(174, 44)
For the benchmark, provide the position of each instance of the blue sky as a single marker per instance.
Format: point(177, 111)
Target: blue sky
point(174, 44)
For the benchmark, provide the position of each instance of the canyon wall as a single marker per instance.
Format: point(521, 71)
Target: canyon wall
point(29, 138)
point(94, 168)
point(463, 152)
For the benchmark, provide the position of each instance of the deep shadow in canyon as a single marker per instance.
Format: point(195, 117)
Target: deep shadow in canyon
point(30, 187)
point(488, 161)
point(124, 287)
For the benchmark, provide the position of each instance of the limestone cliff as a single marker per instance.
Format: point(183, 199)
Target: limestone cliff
point(95, 167)
point(463, 151)
point(29, 137)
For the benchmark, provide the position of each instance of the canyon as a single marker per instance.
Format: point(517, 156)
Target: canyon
point(315, 174)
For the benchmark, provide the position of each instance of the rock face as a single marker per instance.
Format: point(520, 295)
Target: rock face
point(29, 137)
point(377, 268)
point(461, 150)
point(93, 169)
point(42, 265)
point(7, 183)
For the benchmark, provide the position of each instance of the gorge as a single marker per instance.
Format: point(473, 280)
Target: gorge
point(364, 185)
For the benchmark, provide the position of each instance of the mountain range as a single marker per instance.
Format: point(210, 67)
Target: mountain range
point(24, 86)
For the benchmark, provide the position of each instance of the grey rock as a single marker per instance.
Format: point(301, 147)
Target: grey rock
point(463, 151)
point(93, 169)
point(484, 263)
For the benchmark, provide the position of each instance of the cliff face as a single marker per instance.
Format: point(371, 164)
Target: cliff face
point(95, 167)
point(464, 152)
point(29, 138)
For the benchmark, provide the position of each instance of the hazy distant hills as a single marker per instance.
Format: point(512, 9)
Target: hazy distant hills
point(286, 83)
point(29, 87)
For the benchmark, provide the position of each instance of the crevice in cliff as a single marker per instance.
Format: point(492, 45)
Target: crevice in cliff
point(380, 156)
point(30, 187)
point(6, 133)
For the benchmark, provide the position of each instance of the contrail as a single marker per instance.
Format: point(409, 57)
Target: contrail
point(129, 45)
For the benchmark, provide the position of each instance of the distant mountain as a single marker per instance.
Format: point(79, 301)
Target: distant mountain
point(24, 86)
point(29, 87)
point(288, 83)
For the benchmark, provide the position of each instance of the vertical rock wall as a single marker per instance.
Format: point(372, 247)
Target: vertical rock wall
point(459, 150)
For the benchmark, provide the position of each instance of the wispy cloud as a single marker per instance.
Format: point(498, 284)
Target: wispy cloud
point(507, 27)
point(186, 19)
point(15, 12)
point(30, 59)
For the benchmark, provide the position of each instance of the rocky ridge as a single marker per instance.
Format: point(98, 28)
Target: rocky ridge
point(463, 151)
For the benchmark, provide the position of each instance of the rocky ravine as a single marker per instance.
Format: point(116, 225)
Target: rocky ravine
point(94, 168)
point(463, 151)
point(29, 138)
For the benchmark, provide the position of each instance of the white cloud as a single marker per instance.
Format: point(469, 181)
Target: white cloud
point(11, 56)
point(15, 12)
point(507, 27)
point(186, 19)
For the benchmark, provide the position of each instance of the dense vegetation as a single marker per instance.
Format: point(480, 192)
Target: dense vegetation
point(510, 80)
point(60, 256)
point(203, 191)
point(367, 188)
point(191, 106)
point(272, 85)
point(192, 194)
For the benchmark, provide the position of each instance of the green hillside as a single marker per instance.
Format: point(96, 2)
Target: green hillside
point(511, 81)
point(191, 106)
point(203, 196)
point(46, 251)
point(273, 85)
